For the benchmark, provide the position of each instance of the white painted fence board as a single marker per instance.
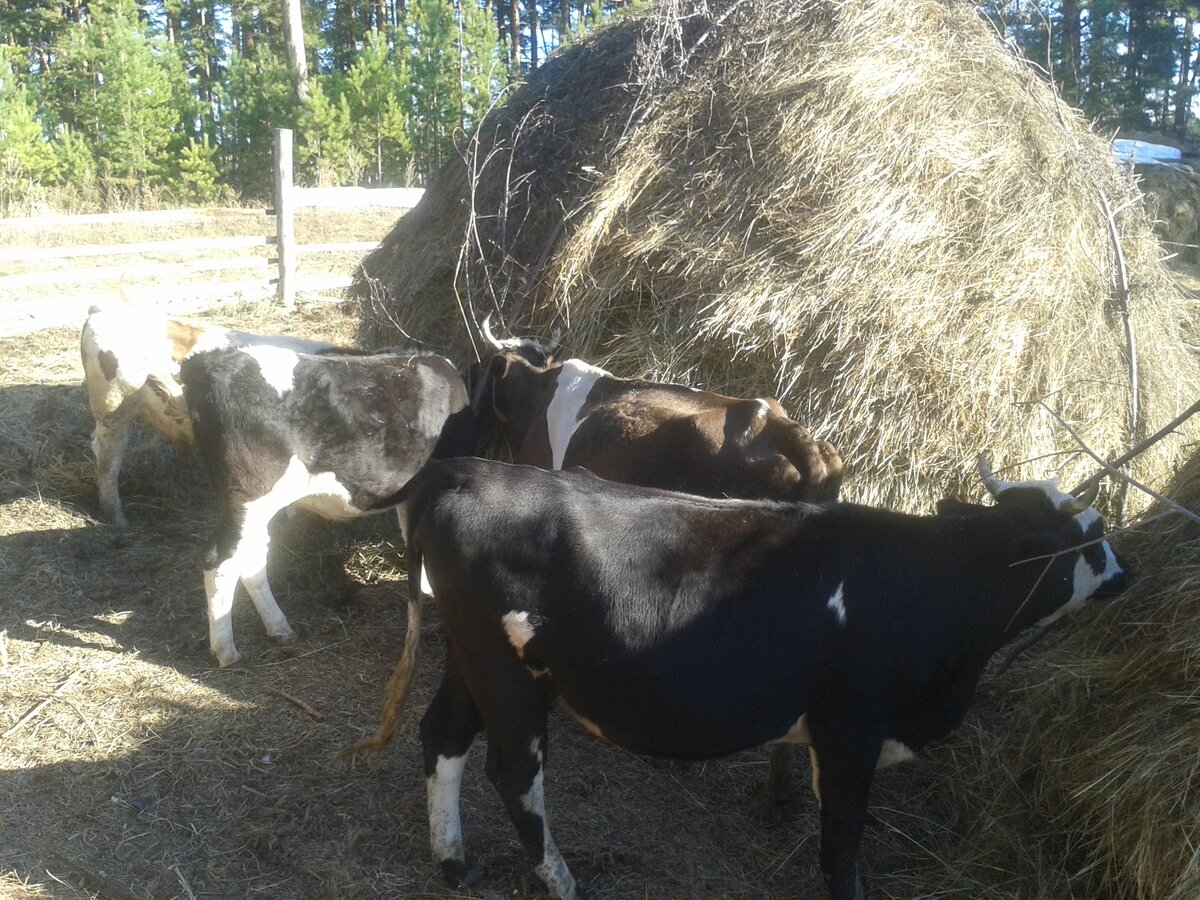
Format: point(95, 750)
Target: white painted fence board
point(178, 245)
point(113, 273)
point(356, 197)
point(157, 215)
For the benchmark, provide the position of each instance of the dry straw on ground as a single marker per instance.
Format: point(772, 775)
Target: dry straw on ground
point(869, 209)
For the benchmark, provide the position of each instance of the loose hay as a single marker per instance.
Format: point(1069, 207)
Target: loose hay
point(869, 209)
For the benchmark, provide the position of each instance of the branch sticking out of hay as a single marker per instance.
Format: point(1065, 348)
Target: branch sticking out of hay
point(1117, 473)
point(1143, 446)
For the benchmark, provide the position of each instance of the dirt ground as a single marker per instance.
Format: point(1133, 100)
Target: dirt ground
point(131, 767)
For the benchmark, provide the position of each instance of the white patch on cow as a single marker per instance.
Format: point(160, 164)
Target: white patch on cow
point(892, 753)
point(426, 587)
point(215, 338)
point(837, 604)
point(277, 365)
point(575, 381)
point(442, 793)
point(327, 496)
point(553, 868)
point(1086, 581)
point(518, 628)
point(798, 733)
point(1048, 486)
point(1087, 519)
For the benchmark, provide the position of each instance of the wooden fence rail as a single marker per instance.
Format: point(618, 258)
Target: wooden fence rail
point(288, 198)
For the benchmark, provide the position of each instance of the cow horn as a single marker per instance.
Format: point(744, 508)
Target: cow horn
point(1082, 501)
point(487, 333)
point(555, 341)
point(990, 481)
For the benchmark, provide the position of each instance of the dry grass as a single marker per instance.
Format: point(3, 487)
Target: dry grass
point(145, 772)
point(869, 209)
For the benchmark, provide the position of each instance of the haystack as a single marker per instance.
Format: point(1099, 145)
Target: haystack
point(869, 209)
point(1111, 730)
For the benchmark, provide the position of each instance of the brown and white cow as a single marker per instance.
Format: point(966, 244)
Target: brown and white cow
point(131, 360)
point(653, 434)
point(650, 433)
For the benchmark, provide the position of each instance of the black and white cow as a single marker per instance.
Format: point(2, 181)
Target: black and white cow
point(685, 627)
point(131, 360)
point(332, 433)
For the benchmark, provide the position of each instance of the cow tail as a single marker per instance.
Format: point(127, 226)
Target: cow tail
point(400, 684)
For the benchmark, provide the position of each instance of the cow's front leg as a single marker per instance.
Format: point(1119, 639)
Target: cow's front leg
point(239, 552)
point(844, 758)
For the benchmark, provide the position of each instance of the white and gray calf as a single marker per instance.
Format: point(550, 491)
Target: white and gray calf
point(131, 359)
point(336, 434)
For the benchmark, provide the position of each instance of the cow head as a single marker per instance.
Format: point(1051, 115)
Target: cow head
point(484, 377)
point(1063, 536)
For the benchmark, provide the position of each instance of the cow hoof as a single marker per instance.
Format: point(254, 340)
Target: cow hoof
point(460, 874)
point(284, 637)
point(224, 660)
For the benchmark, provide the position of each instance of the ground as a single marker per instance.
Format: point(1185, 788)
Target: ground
point(131, 767)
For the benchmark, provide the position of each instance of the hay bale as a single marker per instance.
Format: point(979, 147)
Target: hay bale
point(1173, 202)
point(869, 209)
point(1111, 726)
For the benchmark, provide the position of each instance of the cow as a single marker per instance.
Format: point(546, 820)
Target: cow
point(333, 433)
point(656, 435)
point(650, 433)
point(128, 352)
point(685, 627)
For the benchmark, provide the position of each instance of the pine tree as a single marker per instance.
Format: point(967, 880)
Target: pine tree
point(328, 155)
point(377, 89)
point(114, 85)
point(198, 177)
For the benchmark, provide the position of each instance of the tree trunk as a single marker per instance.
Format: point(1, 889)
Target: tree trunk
point(1070, 28)
point(1183, 93)
point(293, 37)
point(514, 25)
point(531, 12)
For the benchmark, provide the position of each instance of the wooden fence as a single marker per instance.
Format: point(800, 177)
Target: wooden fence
point(288, 199)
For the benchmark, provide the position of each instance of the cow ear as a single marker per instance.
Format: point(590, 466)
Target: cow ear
point(1037, 546)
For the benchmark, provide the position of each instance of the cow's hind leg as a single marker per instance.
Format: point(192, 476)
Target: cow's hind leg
point(109, 441)
point(844, 760)
point(239, 552)
point(515, 766)
point(448, 729)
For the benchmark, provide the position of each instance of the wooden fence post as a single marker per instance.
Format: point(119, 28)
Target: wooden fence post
point(285, 226)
